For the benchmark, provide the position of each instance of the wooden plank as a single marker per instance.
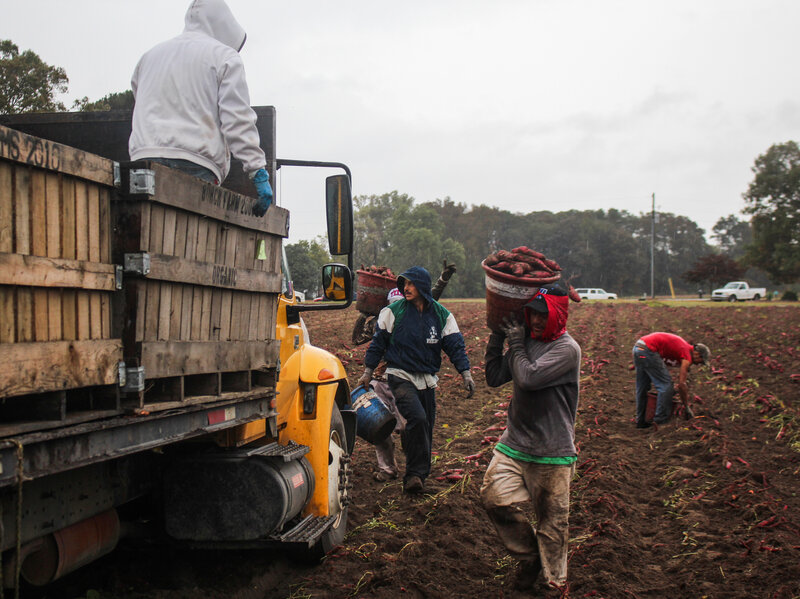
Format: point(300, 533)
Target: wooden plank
point(205, 315)
point(39, 367)
point(42, 153)
point(104, 220)
point(216, 315)
point(54, 250)
point(179, 291)
point(24, 314)
point(69, 314)
point(82, 253)
point(197, 291)
point(212, 242)
point(41, 330)
point(181, 270)
point(6, 208)
point(252, 322)
point(81, 221)
point(22, 220)
point(189, 193)
point(19, 269)
point(7, 316)
point(69, 298)
point(171, 358)
point(84, 327)
point(95, 311)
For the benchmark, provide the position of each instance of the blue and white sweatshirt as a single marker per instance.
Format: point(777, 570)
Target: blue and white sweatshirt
point(413, 341)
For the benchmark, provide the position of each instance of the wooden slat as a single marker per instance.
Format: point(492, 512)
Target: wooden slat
point(41, 331)
point(197, 292)
point(190, 193)
point(172, 358)
point(6, 208)
point(7, 316)
point(7, 319)
point(38, 152)
point(104, 219)
point(82, 253)
point(24, 314)
point(167, 247)
point(177, 294)
point(187, 301)
point(39, 367)
point(54, 210)
point(181, 270)
point(22, 219)
point(69, 298)
point(19, 269)
point(95, 316)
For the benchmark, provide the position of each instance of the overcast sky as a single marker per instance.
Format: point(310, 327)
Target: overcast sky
point(521, 104)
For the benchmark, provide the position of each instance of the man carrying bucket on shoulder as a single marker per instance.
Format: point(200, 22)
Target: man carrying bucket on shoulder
point(534, 459)
point(410, 335)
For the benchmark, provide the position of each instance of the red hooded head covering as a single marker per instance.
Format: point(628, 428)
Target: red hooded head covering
point(553, 300)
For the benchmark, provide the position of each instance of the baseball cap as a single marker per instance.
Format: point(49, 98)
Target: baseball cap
point(704, 352)
point(394, 295)
point(538, 302)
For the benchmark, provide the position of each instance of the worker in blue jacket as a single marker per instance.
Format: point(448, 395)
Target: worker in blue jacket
point(410, 335)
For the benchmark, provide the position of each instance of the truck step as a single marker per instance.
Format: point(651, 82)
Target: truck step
point(289, 452)
point(307, 531)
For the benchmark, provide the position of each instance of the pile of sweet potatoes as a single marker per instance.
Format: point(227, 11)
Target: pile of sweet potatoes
point(530, 265)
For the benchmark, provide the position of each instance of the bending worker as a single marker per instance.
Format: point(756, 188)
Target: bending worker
point(651, 356)
point(192, 105)
point(411, 333)
point(534, 460)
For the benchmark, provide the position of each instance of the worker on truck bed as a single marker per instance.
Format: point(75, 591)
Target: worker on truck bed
point(192, 103)
point(411, 333)
point(651, 355)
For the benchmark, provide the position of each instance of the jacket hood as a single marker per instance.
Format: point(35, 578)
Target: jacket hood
point(557, 311)
point(215, 19)
point(421, 279)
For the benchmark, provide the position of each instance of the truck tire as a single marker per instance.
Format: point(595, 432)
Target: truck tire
point(339, 469)
point(732, 298)
point(756, 297)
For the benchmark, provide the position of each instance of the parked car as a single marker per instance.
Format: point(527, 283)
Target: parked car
point(595, 293)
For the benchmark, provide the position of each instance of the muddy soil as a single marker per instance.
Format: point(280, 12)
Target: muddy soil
point(707, 507)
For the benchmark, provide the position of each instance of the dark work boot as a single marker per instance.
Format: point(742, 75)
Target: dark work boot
point(527, 574)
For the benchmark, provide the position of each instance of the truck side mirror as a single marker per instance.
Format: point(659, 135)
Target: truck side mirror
point(339, 203)
point(337, 282)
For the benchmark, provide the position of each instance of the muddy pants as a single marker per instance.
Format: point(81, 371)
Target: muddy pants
point(508, 482)
point(650, 367)
point(418, 407)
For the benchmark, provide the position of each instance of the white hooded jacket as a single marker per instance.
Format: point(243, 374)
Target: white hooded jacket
point(192, 101)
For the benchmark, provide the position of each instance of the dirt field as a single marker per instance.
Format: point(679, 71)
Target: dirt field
point(700, 508)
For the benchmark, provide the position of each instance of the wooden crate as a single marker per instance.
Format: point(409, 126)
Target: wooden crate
point(200, 317)
point(56, 274)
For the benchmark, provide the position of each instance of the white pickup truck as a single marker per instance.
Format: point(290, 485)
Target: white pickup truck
point(738, 290)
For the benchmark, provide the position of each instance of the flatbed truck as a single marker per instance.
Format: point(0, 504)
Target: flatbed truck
point(152, 353)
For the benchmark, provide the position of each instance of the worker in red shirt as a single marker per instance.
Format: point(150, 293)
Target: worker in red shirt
point(651, 356)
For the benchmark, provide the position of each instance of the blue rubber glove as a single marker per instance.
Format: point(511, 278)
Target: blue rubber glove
point(264, 189)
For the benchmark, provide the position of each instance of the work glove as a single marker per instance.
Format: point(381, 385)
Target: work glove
point(469, 384)
point(514, 330)
point(261, 181)
point(447, 270)
point(365, 378)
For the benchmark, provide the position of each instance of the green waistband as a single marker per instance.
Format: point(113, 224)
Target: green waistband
point(526, 457)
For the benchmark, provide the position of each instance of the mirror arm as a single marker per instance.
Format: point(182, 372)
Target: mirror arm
point(279, 162)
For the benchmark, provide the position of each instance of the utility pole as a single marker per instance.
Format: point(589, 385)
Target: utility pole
point(652, 248)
